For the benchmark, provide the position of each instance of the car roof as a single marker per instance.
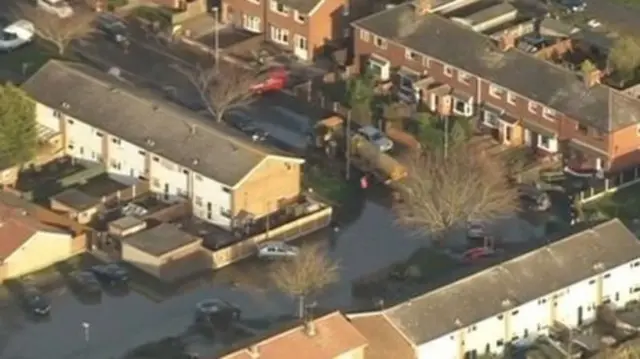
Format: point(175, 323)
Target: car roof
point(369, 130)
point(20, 26)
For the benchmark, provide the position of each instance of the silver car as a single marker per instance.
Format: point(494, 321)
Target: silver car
point(376, 137)
point(277, 250)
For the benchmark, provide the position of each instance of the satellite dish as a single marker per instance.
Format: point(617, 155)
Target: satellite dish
point(115, 71)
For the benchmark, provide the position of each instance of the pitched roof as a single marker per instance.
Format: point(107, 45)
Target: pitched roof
point(431, 34)
point(161, 239)
point(517, 281)
point(385, 340)
point(303, 6)
point(118, 108)
point(17, 225)
point(334, 336)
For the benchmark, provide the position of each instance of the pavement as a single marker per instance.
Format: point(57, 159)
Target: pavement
point(615, 15)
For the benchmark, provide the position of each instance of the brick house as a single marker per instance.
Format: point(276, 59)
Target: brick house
point(304, 27)
point(521, 98)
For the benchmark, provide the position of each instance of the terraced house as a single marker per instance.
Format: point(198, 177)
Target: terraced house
point(140, 137)
point(489, 60)
point(516, 301)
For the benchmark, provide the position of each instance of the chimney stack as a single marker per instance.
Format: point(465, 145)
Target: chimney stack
point(592, 78)
point(254, 352)
point(310, 328)
point(507, 41)
point(422, 7)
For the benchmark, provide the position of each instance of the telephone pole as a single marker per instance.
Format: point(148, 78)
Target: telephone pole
point(348, 147)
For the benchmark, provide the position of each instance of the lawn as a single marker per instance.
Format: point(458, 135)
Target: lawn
point(427, 264)
point(326, 184)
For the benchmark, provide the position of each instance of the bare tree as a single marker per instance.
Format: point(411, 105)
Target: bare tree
point(223, 90)
point(441, 193)
point(307, 273)
point(58, 31)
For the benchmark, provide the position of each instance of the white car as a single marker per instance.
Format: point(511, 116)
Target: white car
point(59, 8)
point(17, 34)
point(376, 137)
point(277, 250)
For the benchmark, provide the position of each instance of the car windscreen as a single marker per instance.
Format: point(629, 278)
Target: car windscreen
point(7, 36)
point(376, 136)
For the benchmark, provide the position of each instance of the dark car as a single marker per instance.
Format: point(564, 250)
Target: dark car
point(35, 301)
point(534, 198)
point(111, 274)
point(114, 29)
point(84, 282)
point(573, 6)
point(213, 312)
point(250, 128)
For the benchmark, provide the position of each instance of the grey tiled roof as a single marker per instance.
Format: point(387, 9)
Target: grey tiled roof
point(137, 116)
point(520, 280)
point(533, 78)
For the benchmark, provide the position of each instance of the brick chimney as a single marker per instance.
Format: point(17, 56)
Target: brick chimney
point(507, 41)
point(422, 7)
point(592, 78)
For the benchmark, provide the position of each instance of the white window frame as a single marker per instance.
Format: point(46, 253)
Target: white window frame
point(468, 107)
point(447, 71)
point(298, 17)
point(491, 119)
point(274, 7)
point(248, 25)
point(411, 55)
point(380, 42)
point(426, 61)
point(364, 35)
point(255, 1)
point(496, 91)
point(383, 64)
point(278, 33)
point(549, 114)
point(552, 147)
point(464, 77)
point(532, 107)
point(511, 98)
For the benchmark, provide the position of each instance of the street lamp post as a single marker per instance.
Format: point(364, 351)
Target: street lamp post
point(86, 328)
point(216, 37)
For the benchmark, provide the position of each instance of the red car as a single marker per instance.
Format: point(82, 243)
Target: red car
point(474, 254)
point(276, 80)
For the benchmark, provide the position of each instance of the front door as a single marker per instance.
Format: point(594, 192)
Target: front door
point(301, 47)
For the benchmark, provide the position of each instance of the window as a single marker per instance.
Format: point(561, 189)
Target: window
point(548, 143)
point(198, 178)
point(500, 317)
point(592, 282)
point(251, 23)
point(226, 189)
point(225, 213)
point(379, 67)
point(548, 113)
point(496, 91)
point(70, 122)
point(380, 42)
point(142, 153)
point(198, 201)
point(491, 119)
point(299, 17)
point(448, 70)
point(515, 312)
point(156, 159)
point(280, 36)
point(607, 275)
point(464, 77)
point(411, 55)
point(511, 98)
point(533, 107)
point(364, 35)
point(115, 164)
point(255, 1)
point(462, 108)
point(426, 62)
point(583, 129)
point(279, 8)
point(345, 9)
point(115, 140)
point(155, 182)
point(185, 171)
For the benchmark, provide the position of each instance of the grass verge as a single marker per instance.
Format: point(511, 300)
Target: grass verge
point(623, 204)
point(326, 184)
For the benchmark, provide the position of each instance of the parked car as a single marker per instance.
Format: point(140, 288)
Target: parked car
point(59, 8)
point(250, 128)
point(476, 231)
point(573, 6)
point(213, 311)
point(35, 301)
point(84, 282)
point(477, 253)
point(114, 29)
point(16, 35)
point(376, 137)
point(277, 250)
point(110, 274)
